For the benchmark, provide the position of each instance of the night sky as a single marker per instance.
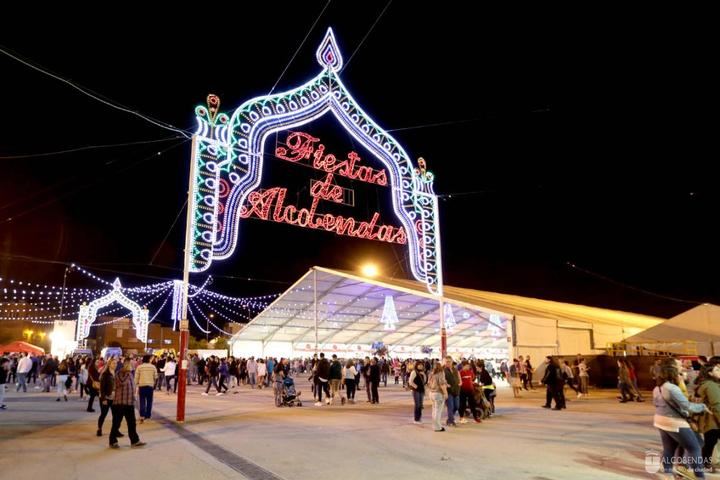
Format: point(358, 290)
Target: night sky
point(551, 144)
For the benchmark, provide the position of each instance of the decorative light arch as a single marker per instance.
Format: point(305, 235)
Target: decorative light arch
point(228, 162)
point(88, 313)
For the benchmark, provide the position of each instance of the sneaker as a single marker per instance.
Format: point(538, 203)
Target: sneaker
point(114, 445)
point(99, 433)
point(138, 445)
point(579, 395)
point(328, 401)
point(120, 435)
point(65, 397)
point(57, 399)
point(204, 394)
point(342, 401)
point(545, 406)
point(441, 430)
point(463, 420)
point(318, 404)
point(477, 420)
point(683, 472)
point(3, 407)
point(219, 394)
point(417, 422)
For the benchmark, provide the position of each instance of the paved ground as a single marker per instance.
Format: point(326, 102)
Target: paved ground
point(244, 436)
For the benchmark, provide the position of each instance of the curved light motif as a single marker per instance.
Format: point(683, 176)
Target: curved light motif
point(228, 156)
point(88, 313)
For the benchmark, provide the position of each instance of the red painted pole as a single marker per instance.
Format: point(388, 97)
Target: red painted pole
point(182, 378)
point(184, 326)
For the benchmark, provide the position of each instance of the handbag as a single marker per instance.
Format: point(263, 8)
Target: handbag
point(96, 385)
point(696, 421)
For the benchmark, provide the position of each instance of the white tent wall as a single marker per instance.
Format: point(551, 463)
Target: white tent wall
point(538, 337)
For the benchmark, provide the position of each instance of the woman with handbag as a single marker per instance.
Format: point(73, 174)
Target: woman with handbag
point(93, 383)
point(672, 412)
point(708, 391)
point(61, 382)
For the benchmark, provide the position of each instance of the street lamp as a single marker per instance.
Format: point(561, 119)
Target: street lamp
point(370, 270)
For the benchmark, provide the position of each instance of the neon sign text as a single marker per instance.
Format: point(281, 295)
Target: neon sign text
point(270, 205)
point(302, 146)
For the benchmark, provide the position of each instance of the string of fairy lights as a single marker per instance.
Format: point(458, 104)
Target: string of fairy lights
point(42, 303)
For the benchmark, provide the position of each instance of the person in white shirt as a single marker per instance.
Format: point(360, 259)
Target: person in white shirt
point(349, 374)
point(261, 372)
point(23, 368)
point(169, 371)
point(252, 370)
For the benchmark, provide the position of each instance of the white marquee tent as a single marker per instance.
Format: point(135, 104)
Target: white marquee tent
point(337, 311)
point(697, 330)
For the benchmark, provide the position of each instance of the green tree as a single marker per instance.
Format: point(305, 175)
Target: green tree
point(221, 344)
point(196, 344)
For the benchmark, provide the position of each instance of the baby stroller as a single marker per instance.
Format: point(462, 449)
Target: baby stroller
point(485, 407)
point(288, 396)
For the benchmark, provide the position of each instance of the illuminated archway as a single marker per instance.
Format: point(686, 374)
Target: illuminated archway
point(228, 161)
point(88, 313)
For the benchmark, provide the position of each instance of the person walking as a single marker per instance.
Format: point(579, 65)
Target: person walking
point(671, 410)
point(107, 393)
point(322, 375)
point(4, 367)
point(252, 371)
point(169, 371)
point(83, 378)
point(61, 382)
point(349, 375)
point(452, 377)
point(123, 406)
point(584, 378)
point(416, 383)
point(437, 385)
point(374, 381)
point(467, 393)
point(708, 391)
point(336, 378)
point(145, 378)
point(93, 383)
point(515, 381)
point(23, 369)
point(553, 381)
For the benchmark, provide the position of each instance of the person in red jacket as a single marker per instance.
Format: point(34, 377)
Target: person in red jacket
point(467, 392)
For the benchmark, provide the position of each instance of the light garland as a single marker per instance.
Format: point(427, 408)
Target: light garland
point(209, 321)
point(192, 315)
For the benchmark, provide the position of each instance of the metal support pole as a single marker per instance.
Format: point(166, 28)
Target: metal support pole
point(443, 331)
point(184, 326)
point(316, 308)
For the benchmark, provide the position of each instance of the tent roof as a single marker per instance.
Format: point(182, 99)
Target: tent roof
point(19, 346)
point(350, 307)
point(699, 324)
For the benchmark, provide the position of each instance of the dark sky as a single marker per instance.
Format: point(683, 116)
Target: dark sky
point(578, 141)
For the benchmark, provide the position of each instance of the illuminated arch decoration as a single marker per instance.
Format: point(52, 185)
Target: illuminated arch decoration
point(88, 313)
point(228, 157)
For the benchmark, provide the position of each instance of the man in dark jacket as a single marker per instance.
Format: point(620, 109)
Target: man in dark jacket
point(553, 381)
point(322, 376)
point(336, 380)
point(452, 377)
point(374, 378)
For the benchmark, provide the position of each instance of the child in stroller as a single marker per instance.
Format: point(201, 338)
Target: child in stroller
point(287, 396)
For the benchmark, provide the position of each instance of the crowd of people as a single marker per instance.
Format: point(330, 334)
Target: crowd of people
point(686, 398)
